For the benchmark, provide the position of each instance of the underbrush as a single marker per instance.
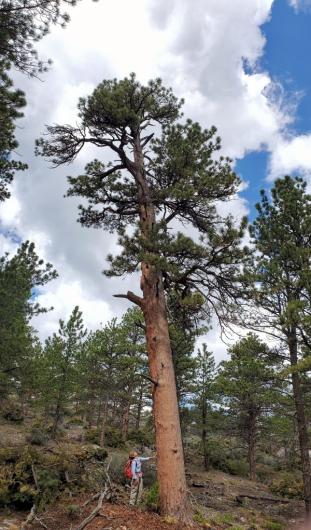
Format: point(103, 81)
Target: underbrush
point(31, 475)
point(288, 485)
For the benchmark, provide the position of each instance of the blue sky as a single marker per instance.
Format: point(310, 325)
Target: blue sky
point(287, 59)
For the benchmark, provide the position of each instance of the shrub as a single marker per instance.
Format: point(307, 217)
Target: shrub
point(16, 489)
point(11, 411)
point(98, 453)
point(152, 501)
point(9, 455)
point(92, 435)
point(37, 436)
point(141, 437)
point(200, 518)
point(236, 467)
point(264, 473)
point(113, 437)
point(74, 420)
point(150, 475)
point(116, 469)
point(288, 485)
point(50, 484)
point(227, 459)
point(73, 510)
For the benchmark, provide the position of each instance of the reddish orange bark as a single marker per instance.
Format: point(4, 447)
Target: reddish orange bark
point(170, 457)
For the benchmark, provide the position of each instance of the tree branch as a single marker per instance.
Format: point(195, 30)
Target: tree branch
point(146, 139)
point(155, 383)
point(131, 297)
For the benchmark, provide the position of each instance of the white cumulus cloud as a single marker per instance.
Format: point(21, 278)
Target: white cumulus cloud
point(290, 156)
point(208, 51)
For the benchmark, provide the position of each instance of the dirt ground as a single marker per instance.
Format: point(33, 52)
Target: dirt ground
point(213, 496)
point(214, 503)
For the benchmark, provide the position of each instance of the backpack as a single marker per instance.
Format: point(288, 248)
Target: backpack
point(128, 469)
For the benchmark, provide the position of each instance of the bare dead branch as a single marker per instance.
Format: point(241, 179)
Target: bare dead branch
point(131, 297)
point(35, 478)
point(93, 514)
point(93, 498)
point(30, 518)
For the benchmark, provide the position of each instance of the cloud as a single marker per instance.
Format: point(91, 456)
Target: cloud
point(208, 51)
point(64, 295)
point(290, 156)
point(212, 60)
point(300, 5)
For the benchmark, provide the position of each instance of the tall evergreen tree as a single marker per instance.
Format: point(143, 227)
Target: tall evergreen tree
point(58, 366)
point(246, 384)
point(279, 283)
point(100, 379)
point(20, 277)
point(205, 376)
point(185, 316)
point(132, 363)
point(11, 103)
point(155, 181)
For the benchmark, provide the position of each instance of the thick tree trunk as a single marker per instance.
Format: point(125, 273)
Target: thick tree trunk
point(301, 421)
point(170, 456)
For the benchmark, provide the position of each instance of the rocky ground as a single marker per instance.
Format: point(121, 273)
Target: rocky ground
point(219, 501)
point(214, 501)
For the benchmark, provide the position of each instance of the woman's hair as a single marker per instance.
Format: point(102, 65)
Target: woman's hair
point(133, 454)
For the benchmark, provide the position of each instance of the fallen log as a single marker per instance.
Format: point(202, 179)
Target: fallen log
point(96, 496)
point(200, 484)
point(93, 514)
point(239, 499)
point(41, 522)
point(30, 518)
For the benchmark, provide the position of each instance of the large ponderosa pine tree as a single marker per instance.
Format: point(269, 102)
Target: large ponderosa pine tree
point(153, 182)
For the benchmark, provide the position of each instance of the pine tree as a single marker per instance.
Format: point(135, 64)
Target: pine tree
point(100, 380)
point(246, 383)
point(22, 25)
point(155, 181)
point(58, 366)
point(185, 316)
point(11, 103)
point(132, 363)
point(205, 375)
point(20, 277)
point(279, 284)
